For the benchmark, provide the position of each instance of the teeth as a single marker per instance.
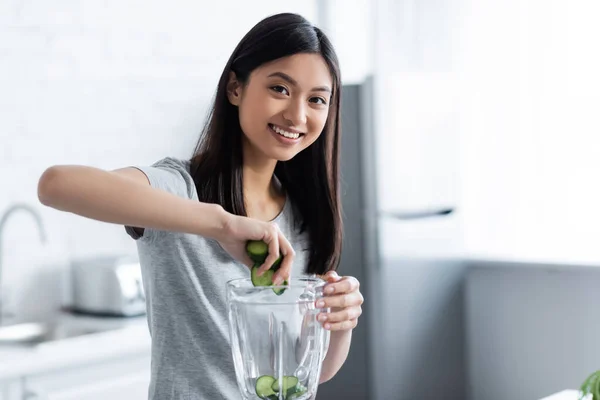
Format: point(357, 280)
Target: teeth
point(287, 134)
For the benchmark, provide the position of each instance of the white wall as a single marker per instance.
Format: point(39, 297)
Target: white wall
point(530, 138)
point(349, 24)
point(107, 84)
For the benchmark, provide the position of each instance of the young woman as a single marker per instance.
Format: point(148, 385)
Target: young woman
point(265, 168)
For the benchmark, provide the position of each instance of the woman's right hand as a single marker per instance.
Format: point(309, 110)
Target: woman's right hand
point(238, 230)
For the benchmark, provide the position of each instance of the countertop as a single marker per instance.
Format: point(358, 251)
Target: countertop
point(119, 337)
point(521, 262)
point(566, 395)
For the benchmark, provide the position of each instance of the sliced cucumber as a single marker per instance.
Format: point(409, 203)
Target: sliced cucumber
point(263, 386)
point(292, 388)
point(257, 250)
point(289, 382)
point(295, 392)
point(279, 290)
point(265, 279)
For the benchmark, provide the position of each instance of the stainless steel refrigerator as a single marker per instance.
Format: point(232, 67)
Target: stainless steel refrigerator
point(409, 343)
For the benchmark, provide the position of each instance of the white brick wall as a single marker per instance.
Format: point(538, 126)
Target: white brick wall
point(103, 83)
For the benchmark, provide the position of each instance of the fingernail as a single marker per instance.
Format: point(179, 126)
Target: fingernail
point(322, 317)
point(329, 289)
point(320, 303)
point(327, 326)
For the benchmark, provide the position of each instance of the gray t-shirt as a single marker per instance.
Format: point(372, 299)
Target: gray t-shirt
point(184, 279)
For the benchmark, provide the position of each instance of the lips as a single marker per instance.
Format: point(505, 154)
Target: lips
point(285, 132)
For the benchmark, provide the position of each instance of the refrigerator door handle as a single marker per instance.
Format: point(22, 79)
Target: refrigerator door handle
point(417, 214)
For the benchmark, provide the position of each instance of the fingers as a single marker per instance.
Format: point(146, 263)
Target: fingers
point(343, 297)
point(246, 260)
point(331, 276)
point(342, 285)
point(342, 315)
point(271, 238)
point(285, 269)
point(341, 326)
point(278, 245)
point(341, 301)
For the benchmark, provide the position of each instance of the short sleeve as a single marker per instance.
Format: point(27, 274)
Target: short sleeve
point(170, 175)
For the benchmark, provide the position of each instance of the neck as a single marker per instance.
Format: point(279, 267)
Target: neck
point(258, 177)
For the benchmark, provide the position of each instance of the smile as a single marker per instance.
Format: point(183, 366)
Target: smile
point(284, 133)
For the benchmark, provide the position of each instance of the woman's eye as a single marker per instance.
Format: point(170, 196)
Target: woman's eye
point(318, 100)
point(280, 89)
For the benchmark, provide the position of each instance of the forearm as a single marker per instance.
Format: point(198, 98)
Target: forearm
point(339, 346)
point(105, 196)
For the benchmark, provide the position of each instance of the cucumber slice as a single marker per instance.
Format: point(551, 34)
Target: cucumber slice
point(263, 386)
point(267, 387)
point(295, 392)
point(279, 290)
point(289, 382)
point(265, 279)
point(257, 250)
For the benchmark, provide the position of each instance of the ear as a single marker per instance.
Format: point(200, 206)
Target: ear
point(234, 89)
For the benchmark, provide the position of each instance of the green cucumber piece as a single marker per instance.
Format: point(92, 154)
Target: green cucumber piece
point(257, 250)
point(295, 395)
point(295, 392)
point(279, 290)
point(265, 279)
point(263, 386)
point(289, 382)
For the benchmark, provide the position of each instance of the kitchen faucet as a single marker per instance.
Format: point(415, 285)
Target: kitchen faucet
point(11, 210)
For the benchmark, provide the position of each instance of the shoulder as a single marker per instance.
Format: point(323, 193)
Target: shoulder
point(181, 166)
point(172, 175)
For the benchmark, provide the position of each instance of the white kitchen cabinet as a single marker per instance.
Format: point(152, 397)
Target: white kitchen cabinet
point(11, 390)
point(122, 379)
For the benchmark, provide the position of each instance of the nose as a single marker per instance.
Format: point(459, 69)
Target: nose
point(295, 113)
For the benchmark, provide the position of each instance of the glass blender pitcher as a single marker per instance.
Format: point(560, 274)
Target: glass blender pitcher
point(277, 344)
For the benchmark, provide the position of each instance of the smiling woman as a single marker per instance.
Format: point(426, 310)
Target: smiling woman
point(265, 169)
point(286, 100)
point(277, 108)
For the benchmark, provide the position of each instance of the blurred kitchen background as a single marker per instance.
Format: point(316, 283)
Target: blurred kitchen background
point(471, 162)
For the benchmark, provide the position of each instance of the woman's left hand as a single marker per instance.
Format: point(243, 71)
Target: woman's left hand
point(343, 296)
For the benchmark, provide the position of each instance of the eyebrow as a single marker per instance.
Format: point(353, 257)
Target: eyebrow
point(293, 82)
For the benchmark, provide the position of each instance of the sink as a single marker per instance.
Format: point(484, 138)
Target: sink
point(34, 333)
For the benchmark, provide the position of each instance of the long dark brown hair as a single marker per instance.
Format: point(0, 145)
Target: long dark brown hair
point(311, 178)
